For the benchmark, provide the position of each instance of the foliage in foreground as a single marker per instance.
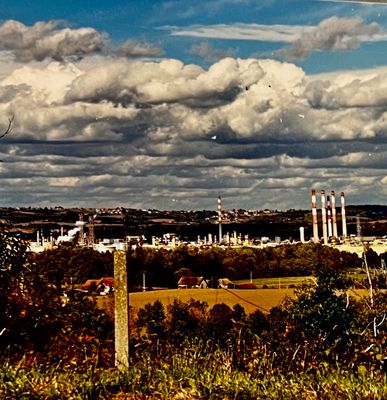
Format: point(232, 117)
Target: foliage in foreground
point(309, 347)
point(194, 373)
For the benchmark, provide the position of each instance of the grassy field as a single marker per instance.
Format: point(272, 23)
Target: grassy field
point(279, 283)
point(250, 299)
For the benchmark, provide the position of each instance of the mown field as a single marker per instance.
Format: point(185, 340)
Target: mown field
point(279, 282)
point(250, 299)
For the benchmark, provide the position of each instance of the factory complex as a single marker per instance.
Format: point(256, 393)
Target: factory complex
point(326, 224)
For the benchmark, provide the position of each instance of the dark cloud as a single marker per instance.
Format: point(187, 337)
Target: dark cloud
point(135, 49)
point(206, 51)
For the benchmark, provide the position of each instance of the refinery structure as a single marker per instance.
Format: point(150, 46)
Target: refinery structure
point(328, 227)
point(328, 218)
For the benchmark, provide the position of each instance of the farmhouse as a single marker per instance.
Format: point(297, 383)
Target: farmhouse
point(225, 283)
point(192, 282)
point(99, 286)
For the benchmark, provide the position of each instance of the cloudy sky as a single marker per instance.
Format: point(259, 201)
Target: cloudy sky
point(166, 103)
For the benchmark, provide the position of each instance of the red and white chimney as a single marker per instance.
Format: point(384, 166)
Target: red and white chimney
point(316, 239)
point(334, 218)
point(343, 216)
point(324, 217)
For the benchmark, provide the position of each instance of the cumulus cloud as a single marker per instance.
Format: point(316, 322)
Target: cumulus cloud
point(333, 34)
point(140, 133)
point(47, 39)
point(53, 40)
point(167, 81)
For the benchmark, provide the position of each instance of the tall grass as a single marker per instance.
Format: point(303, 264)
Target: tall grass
point(190, 372)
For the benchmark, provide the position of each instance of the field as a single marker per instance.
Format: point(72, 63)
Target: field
point(250, 299)
point(279, 283)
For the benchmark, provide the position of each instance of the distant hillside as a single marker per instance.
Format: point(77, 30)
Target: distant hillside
point(120, 222)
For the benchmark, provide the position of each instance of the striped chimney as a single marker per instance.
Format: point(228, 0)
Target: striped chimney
point(324, 216)
point(343, 217)
point(220, 218)
point(334, 219)
point(329, 213)
point(314, 217)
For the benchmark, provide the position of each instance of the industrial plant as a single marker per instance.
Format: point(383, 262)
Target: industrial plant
point(324, 225)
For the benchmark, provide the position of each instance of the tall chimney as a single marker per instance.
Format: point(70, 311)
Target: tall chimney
point(302, 234)
point(358, 229)
point(81, 238)
point(324, 217)
point(91, 231)
point(334, 219)
point(329, 217)
point(343, 217)
point(314, 217)
point(220, 218)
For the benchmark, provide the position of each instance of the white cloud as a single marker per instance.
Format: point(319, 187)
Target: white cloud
point(139, 133)
point(256, 32)
point(53, 40)
point(46, 39)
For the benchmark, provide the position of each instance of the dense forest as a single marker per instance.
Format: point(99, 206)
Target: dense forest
point(320, 342)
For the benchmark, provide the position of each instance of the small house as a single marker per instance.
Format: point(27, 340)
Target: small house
point(225, 283)
point(99, 286)
point(192, 282)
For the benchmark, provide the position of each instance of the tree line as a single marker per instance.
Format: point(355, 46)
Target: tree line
point(69, 264)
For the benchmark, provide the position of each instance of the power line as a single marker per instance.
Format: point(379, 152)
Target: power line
point(247, 301)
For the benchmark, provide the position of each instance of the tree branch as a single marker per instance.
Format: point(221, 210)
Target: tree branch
point(9, 127)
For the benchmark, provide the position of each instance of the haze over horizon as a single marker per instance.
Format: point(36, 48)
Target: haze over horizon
point(166, 105)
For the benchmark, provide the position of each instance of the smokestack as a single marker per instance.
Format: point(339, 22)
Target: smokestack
point(334, 219)
point(81, 238)
point(343, 217)
point(329, 217)
point(314, 217)
point(302, 234)
point(91, 239)
point(358, 229)
point(324, 217)
point(220, 218)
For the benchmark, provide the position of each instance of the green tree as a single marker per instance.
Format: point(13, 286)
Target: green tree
point(182, 323)
point(33, 316)
point(68, 264)
point(14, 287)
point(152, 317)
point(319, 320)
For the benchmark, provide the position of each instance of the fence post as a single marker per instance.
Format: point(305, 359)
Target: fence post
point(121, 309)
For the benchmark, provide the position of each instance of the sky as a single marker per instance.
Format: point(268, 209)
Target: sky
point(167, 104)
